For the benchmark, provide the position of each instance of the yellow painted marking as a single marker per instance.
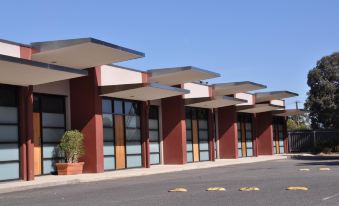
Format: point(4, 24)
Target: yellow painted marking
point(297, 188)
point(324, 169)
point(304, 169)
point(249, 189)
point(178, 190)
point(216, 189)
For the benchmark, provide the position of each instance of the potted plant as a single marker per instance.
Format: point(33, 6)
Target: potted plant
point(72, 147)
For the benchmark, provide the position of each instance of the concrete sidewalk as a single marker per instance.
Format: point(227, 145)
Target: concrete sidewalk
point(53, 180)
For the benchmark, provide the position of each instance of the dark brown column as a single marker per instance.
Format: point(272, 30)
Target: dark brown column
point(145, 134)
point(174, 130)
point(211, 130)
point(286, 143)
point(86, 115)
point(227, 126)
point(255, 125)
point(26, 132)
point(264, 133)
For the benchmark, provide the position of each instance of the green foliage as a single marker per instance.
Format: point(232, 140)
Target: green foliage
point(72, 145)
point(296, 124)
point(327, 146)
point(323, 97)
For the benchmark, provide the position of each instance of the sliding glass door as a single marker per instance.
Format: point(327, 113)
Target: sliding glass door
point(245, 135)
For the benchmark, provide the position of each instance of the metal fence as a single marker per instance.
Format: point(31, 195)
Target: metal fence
point(307, 140)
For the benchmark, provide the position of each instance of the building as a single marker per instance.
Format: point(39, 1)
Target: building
point(130, 118)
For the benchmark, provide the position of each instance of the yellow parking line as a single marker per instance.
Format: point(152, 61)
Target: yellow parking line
point(249, 189)
point(304, 169)
point(179, 189)
point(324, 169)
point(297, 188)
point(216, 189)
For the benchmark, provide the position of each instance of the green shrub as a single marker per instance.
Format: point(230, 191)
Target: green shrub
point(72, 145)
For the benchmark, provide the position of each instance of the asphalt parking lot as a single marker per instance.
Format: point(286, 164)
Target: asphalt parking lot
point(272, 178)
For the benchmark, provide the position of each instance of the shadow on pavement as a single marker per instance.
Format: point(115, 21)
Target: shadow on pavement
point(325, 160)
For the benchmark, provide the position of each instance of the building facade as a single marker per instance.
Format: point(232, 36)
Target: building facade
point(129, 118)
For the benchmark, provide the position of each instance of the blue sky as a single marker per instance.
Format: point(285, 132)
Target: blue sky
point(270, 42)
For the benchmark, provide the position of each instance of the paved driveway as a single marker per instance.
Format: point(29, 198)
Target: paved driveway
point(271, 177)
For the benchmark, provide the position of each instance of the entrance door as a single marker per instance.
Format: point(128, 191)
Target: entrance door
point(245, 135)
point(49, 125)
point(9, 133)
point(197, 134)
point(278, 135)
point(122, 138)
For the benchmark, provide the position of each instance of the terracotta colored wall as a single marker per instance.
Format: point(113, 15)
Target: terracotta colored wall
point(227, 125)
point(286, 143)
point(264, 133)
point(86, 116)
point(174, 130)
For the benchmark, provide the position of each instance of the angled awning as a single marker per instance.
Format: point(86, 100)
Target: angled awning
point(141, 92)
point(267, 96)
point(213, 102)
point(179, 75)
point(258, 108)
point(236, 87)
point(82, 53)
point(23, 72)
point(288, 112)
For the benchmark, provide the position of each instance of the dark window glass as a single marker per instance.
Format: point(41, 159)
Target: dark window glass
point(8, 96)
point(153, 112)
point(53, 104)
point(36, 104)
point(118, 107)
point(107, 106)
point(131, 108)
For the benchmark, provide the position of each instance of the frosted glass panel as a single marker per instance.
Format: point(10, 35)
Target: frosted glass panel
point(189, 157)
point(133, 148)
point(9, 171)
point(281, 150)
point(52, 134)
point(274, 150)
point(48, 166)
point(109, 163)
point(154, 147)
point(107, 120)
point(239, 152)
point(153, 124)
point(53, 120)
point(203, 124)
point(132, 121)
point(8, 133)
point(51, 150)
point(281, 143)
point(249, 152)
point(9, 152)
point(8, 115)
point(203, 135)
point(154, 158)
point(132, 134)
point(239, 144)
point(108, 134)
point(109, 148)
point(204, 156)
point(133, 161)
point(203, 145)
point(189, 146)
point(154, 136)
point(249, 144)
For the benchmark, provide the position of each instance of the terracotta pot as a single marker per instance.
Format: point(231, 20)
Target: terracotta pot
point(70, 168)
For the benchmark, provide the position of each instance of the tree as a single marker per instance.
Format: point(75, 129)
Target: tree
point(323, 96)
point(299, 122)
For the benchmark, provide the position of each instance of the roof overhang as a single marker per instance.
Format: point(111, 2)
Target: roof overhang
point(141, 92)
point(213, 102)
point(82, 53)
point(23, 72)
point(258, 108)
point(236, 87)
point(288, 112)
point(179, 75)
point(267, 96)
